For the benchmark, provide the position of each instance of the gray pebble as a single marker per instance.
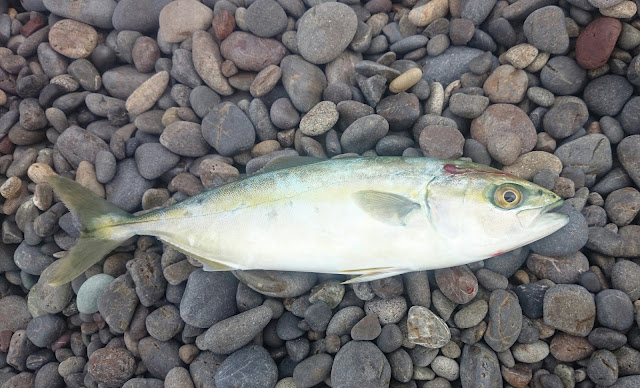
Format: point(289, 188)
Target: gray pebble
point(312, 371)
point(233, 333)
point(127, 187)
point(159, 356)
point(153, 160)
point(614, 309)
point(250, 367)
point(208, 298)
point(603, 368)
point(360, 362)
point(43, 330)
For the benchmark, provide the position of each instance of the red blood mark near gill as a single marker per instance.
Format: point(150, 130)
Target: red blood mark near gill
point(498, 253)
point(452, 169)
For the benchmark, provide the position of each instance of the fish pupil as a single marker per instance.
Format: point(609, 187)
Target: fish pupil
point(509, 196)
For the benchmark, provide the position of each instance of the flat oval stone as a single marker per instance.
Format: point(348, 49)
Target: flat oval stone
point(90, 291)
point(233, 333)
point(569, 308)
point(597, 41)
point(505, 320)
point(138, 15)
point(570, 348)
point(181, 18)
point(251, 53)
point(426, 329)
point(95, 12)
point(73, 39)
point(364, 133)
point(227, 129)
point(207, 61)
point(251, 366)
point(325, 31)
point(566, 269)
point(303, 81)
point(184, 138)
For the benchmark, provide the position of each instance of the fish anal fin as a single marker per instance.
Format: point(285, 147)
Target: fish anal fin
point(207, 264)
point(371, 274)
point(288, 162)
point(385, 207)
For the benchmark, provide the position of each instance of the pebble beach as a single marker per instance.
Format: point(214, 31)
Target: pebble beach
point(149, 102)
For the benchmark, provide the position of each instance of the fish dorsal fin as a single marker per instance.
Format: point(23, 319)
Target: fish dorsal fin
point(288, 162)
point(385, 207)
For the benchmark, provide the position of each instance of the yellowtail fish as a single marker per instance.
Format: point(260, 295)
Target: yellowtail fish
point(374, 217)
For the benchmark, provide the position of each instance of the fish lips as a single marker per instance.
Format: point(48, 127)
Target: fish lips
point(543, 217)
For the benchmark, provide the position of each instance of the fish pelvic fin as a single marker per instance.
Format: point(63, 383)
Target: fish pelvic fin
point(104, 227)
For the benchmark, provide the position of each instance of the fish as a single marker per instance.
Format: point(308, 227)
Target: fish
point(368, 217)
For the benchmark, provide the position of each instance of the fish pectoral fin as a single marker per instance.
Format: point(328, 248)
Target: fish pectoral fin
point(385, 207)
point(288, 162)
point(211, 266)
point(370, 274)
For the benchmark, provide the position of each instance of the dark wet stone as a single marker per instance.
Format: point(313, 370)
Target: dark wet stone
point(606, 95)
point(507, 263)
point(603, 338)
point(400, 110)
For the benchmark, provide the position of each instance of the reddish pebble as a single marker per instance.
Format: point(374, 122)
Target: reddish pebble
point(223, 24)
point(6, 146)
point(5, 340)
point(458, 284)
point(596, 42)
point(34, 24)
point(61, 342)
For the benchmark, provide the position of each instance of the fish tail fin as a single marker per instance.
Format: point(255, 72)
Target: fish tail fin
point(104, 227)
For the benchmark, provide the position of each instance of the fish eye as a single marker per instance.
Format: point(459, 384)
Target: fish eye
point(507, 197)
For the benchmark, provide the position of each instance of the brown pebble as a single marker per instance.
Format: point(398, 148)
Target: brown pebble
point(73, 39)
point(266, 79)
point(37, 172)
point(228, 68)
point(186, 183)
point(215, 173)
point(43, 196)
point(458, 284)
point(35, 23)
point(188, 352)
point(223, 24)
point(86, 176)
point(519, 376)
point(145, 53)
point(145, 96)
point(596, 42)
point(569, 348)
point(11, 187)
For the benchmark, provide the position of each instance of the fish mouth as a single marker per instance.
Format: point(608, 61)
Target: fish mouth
point(544, 218)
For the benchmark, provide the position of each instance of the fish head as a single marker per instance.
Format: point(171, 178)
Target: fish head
point(484, 212)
